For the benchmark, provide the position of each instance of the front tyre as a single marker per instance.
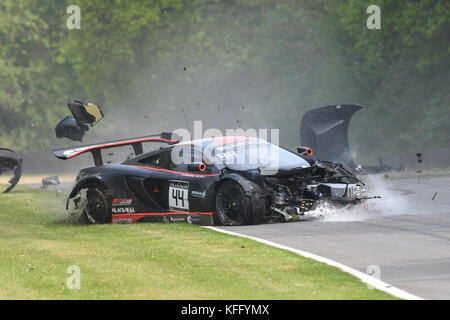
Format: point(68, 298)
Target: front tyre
point(233, 207)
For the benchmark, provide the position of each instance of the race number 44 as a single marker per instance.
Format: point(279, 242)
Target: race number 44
point(178, 196)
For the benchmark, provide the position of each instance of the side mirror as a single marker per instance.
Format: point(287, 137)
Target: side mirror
point(305, 151)
point(197, 167)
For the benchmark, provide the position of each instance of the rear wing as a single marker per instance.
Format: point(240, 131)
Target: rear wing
point(95, 149)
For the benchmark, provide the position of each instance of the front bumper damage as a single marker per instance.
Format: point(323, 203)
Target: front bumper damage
point(295, 194)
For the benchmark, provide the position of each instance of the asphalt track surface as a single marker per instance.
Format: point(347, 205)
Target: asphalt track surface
point(403, 238)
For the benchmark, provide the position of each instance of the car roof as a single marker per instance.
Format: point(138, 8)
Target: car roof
point(217, 140)
point(201, 144)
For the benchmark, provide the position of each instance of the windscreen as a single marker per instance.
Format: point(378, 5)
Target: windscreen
point(252, 154)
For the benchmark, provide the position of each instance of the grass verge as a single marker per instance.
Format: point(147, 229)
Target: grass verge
point(38, 242)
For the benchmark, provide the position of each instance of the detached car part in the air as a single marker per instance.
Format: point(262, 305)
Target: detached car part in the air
point(325, 130)
point(10, 162)
point(206, 190)
point(84, 115)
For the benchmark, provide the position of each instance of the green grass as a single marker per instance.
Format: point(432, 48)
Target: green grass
point(149, 261)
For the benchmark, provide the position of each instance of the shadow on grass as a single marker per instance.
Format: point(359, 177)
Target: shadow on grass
point(11, 192)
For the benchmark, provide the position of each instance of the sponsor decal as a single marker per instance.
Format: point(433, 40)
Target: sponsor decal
point(191, 220)
point(122, 202)
point(166, 216)
point(122, 221)
point(122, 206)
point(116, 210)
point(199, 194)
point(178, 196)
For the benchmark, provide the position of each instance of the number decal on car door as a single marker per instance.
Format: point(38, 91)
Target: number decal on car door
point(178, 196)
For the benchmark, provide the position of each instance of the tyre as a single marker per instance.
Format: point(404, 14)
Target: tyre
point(98, 206)
point(233, 207)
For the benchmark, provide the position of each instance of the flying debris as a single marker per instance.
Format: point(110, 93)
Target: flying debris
point(325, 130)
point(10, 161)
point(84, 115)
point(50, 181)
point(419, 157)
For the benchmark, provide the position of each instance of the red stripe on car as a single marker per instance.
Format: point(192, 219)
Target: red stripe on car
point(178, 172)
point(126, 142)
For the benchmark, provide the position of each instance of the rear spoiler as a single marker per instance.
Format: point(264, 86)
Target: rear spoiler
point(95, 149)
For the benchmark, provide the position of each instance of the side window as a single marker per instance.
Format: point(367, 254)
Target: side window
point(196, 156)
point(161, 160)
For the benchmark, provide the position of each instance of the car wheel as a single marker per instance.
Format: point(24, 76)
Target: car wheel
point(97, 208)
point(233, 207)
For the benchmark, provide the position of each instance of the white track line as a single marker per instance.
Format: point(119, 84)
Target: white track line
point(376, 283)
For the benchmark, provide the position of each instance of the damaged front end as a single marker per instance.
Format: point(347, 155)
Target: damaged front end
point(294, 193)
point(76, 204)
point(10, 162)
point(79, 200)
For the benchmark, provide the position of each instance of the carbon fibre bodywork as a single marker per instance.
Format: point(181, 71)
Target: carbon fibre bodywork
point(325, 130)
point(149, 193)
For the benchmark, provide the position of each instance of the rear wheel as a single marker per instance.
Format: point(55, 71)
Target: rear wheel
point(97, 209)
point(233, 207)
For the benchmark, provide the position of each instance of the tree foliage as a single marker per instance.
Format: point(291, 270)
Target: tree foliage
point(239, 63)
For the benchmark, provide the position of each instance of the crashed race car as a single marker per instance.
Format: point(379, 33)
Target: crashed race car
point(10, 162)
point(233, 180)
